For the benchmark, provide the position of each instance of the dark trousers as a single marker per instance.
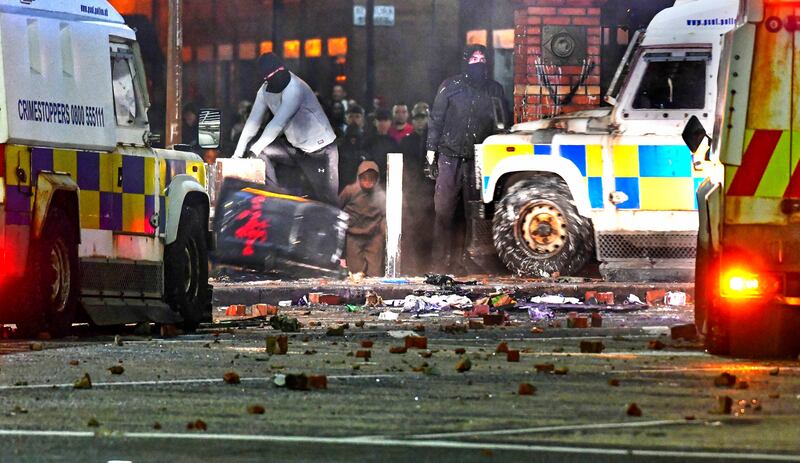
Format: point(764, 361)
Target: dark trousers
point(365, 254)
point(450, 193)
point(321, 168)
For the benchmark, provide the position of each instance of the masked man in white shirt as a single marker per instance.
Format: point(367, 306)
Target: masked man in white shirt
point(299, 116)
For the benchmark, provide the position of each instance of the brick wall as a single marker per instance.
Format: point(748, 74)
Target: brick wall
point(543, 86)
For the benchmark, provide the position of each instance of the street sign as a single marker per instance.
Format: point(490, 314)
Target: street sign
point(384, 15)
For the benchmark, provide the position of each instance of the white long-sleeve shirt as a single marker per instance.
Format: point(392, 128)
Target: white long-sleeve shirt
point(297, 114)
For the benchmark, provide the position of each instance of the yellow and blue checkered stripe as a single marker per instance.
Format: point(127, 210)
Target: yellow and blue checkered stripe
point(105, 202)
point(653, 177)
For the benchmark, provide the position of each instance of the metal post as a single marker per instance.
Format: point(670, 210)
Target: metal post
point(394, 212)
point(370, 25)
point(174, 74)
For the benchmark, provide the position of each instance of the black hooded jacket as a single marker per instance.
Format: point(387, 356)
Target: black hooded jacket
point(462, 115)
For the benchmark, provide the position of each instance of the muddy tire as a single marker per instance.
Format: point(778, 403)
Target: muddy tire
point(537, 230)
point(186, 271)
point(54, 278)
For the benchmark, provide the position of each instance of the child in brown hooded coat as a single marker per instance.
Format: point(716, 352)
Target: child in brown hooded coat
point(365, 202)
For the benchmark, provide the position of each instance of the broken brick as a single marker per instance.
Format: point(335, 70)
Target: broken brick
point(589, 295)
point(597, 320)
point(512, 356)
point(687, 332)
point(578, 322)
point(463, 364)
point(592, 347)
point(633, 410)
point(502, 347)
point(544, 367)
point(330, 299)
point(231, 377)
point(460, 351)
point(313, 298)
point(198, 425)
point(36, 346)
point(255, 409)
point(366, 344)
point(475, 325)
point(85, 382)
point(419, 328)
point(277, 345)
point(237, 310)
point(656, 345)
point(655, 296)
point(297, 382)
point(526, 389)
point(561, 371)
point(493, 319)
point(264, 310)
point(117, 370)
point(478, 310)
point(318, 382)
point(724, 405)
point(416, 342)
point(169, 331)
point(725, 380)
point(605, 298)
point(93, 423)
point(453, 328)
point(364, 354)
point(775, 371)
point(398, 350)
point(613, 382)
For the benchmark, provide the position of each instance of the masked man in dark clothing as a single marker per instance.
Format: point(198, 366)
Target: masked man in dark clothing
point(365, 203)
point(462, 116)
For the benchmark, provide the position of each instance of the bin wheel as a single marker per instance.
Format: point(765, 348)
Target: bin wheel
point(186, 271)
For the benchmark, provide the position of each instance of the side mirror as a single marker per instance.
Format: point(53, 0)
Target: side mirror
point(209, 129)
point(499, 115)
point(696, 138)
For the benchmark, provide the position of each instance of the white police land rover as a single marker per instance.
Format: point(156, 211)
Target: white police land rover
point(93, 221)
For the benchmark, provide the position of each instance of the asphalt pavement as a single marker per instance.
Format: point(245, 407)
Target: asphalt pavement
point(171, 403)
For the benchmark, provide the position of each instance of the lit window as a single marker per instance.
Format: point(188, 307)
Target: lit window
point(205, 53)
point(337, 46)
point(503, 38)
point(225, 52)
point(265, 47)
point(313, 48)
point(476, 37)
point(247, 50)
point(291, 49)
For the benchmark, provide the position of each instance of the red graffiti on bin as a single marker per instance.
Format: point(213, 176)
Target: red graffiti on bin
point(255, 229)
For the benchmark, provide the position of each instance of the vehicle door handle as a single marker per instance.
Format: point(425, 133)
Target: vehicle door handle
point(119, 176)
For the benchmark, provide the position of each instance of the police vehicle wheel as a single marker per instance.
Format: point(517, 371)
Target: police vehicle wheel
point(54, 272)
point(537, 230)
point(186, 272)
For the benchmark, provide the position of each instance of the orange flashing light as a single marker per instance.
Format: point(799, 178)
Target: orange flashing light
point(739, 283)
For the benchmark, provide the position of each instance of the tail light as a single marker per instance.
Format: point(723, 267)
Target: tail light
point(740, 283)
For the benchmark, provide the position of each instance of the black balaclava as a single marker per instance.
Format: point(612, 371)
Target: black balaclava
point(273, 72)
point(476, 72)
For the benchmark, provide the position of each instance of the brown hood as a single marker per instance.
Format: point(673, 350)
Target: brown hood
point(367, 166)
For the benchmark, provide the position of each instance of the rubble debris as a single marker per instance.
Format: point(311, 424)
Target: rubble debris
point(284, 303)
point(633, 410)
point(255, 409)
point(93, 423)
point(436, 303)
point(279, 380)
point(277, 345)
point(512, 355)
point(687, 332)
point(675, 298)
point(555, 299)
point(633, 299)
point(655, 296)
point(398, 350)
point(297, 382)
point(613, 382)
point(463, 364)
point(117, 370)
point(460, 351)
point(426, 354)
point(74, 363)
point(400, 334)
point(197, 425)
point(544, 367)
point(388, 316)
point(85, 382)
point(577, 321)
point(236, 310)
point(310, 352)
point(337, 330)
point(775, 371)
point(537, 330)
point(592, 347)
point(264, 310)
point(416, 342)
point(724, 405)
point(538, 313)
point(157, 426)
point(373, 300)
point(364, 354)
point(526, 389)
point(117, 340)
point(475, 325)
point(561, 371)
point(284, 323)
point(595, 297)
point(317, 382)
point(445, 281)
point(596, 320)
point(36, 346)
point(656, 345)
point(360, 324)
point(502, 348)
point(725, 380)
point(494, 319)
point(367, 344)
point(231, 377)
